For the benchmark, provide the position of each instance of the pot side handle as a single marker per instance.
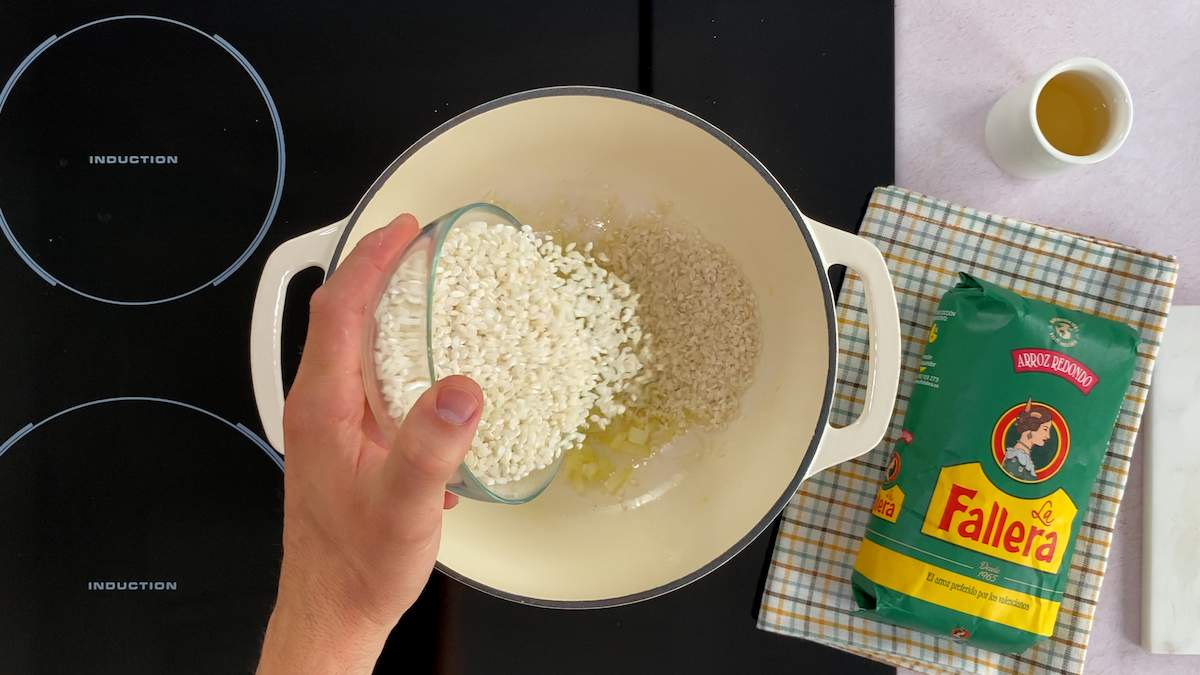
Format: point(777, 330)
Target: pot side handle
point(314, 249)
point(839, 444)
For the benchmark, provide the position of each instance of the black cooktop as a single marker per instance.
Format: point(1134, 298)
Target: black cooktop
point(152, 154)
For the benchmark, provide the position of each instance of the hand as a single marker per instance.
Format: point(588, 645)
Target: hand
point(362, 518)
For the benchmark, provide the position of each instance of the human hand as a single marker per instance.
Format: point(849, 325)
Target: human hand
point(362, 518)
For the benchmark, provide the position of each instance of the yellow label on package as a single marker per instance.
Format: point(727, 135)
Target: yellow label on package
point(888, 503)
point(968, 510)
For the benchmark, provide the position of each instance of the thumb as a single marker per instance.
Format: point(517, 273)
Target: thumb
point(432, 441)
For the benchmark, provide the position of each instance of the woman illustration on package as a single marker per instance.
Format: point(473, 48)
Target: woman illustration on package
point(1033, 430)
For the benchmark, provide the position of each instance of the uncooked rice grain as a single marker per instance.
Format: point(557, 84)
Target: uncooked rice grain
point(552, 338)
point(703, 313)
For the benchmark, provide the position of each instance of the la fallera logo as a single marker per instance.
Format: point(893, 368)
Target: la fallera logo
point(1030, 442)
point(968, 510)
point(893, 468)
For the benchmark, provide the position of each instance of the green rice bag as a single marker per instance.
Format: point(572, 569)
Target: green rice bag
point(972, 530)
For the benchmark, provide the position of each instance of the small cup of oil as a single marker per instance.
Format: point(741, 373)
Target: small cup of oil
point(1076, 113)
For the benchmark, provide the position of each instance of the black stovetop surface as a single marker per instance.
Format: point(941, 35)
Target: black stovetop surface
point(140, 168)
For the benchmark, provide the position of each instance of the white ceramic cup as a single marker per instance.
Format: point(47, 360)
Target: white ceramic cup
point(1015, 141)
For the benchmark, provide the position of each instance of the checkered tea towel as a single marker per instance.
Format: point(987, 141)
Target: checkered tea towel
point(926, 242)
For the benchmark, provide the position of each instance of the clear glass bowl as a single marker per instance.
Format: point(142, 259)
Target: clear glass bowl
point(413, 278)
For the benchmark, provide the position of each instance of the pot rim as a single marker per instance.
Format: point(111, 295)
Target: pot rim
point(827, 294)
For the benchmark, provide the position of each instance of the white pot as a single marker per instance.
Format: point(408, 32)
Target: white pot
point(716, 491)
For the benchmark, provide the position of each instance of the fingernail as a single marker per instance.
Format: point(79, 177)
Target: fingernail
point(456, 406)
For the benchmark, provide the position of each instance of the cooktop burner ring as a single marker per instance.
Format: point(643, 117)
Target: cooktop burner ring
point(141, 520)
point(238, 426)
point(273, 113)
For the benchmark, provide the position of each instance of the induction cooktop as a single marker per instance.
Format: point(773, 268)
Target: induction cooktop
point(152, 155)
point(141, 162)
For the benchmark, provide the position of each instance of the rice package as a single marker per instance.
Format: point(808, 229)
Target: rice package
point(972, 530)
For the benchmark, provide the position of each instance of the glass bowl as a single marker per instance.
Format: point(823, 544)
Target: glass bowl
point(413, 278)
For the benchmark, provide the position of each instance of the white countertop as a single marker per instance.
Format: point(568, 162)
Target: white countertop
point(953, 60)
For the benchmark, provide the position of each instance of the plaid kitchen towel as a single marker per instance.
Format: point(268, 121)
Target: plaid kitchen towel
point(926, 242)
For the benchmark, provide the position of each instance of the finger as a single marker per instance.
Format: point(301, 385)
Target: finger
point(339, 309)
point(449, 501)
point(432, 441)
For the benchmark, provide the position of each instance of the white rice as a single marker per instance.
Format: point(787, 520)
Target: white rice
point(703, 313)
point(552, 338)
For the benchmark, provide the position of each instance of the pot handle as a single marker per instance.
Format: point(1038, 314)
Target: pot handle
point(314, 249)
point(839, 444)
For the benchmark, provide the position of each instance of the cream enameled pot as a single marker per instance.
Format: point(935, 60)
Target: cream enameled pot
point(709, 494)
